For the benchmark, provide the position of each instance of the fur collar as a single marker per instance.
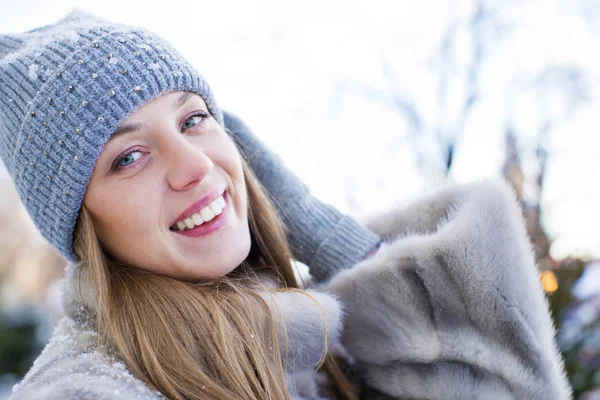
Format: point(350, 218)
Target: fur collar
point(301, 317)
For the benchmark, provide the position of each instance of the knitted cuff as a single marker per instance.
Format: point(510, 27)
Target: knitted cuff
point(329, 240)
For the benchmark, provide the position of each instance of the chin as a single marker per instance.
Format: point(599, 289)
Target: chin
point(214, 260)
point(207, 270)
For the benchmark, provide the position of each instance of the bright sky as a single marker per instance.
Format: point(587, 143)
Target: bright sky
point(319, 81)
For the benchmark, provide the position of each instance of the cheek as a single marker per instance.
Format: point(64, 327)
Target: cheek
point(231, 159)
point(239, 183)
point(122, 212)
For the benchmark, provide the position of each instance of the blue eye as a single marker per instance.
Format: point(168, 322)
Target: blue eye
point(194, 120)
point(129, 159)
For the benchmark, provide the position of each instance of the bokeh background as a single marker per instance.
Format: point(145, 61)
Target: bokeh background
point(373, 104)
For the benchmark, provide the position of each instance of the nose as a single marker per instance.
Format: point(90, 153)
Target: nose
point(187, 164)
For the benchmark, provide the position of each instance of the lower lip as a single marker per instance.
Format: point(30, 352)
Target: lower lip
point(208, 227)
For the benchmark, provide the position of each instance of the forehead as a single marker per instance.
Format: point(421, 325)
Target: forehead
point(171, 101)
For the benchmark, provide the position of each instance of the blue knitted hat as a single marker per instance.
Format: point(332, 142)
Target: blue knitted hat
point(64, 89)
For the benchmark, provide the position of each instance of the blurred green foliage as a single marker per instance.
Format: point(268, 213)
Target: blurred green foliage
point(19, 344)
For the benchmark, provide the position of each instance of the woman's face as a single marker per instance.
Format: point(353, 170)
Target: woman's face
point(168, 194)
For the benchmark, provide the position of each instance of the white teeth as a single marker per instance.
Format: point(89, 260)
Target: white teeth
point(216, 208)
point(197, 219)
point(206, 214)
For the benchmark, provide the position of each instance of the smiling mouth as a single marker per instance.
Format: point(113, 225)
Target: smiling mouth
point(201, 217)
point(211, 222)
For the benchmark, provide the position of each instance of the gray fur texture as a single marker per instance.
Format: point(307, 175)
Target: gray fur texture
point(449, 308)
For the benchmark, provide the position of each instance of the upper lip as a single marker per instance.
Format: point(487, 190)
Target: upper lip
point(199, 205)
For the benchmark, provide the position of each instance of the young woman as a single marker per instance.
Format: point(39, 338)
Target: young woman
point(180, 283)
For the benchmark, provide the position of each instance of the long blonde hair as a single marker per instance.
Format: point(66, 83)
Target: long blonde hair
point(214, 340)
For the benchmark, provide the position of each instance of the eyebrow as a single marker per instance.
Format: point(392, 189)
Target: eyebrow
point(128, 128)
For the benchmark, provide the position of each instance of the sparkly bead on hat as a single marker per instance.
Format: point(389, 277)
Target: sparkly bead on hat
point(64, 89)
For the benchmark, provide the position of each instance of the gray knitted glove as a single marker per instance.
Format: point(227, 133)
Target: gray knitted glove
point(320, 236)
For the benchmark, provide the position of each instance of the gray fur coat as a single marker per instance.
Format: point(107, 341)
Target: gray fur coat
point(449, 308)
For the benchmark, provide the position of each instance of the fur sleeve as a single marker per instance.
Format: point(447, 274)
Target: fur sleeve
point(451, 306)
